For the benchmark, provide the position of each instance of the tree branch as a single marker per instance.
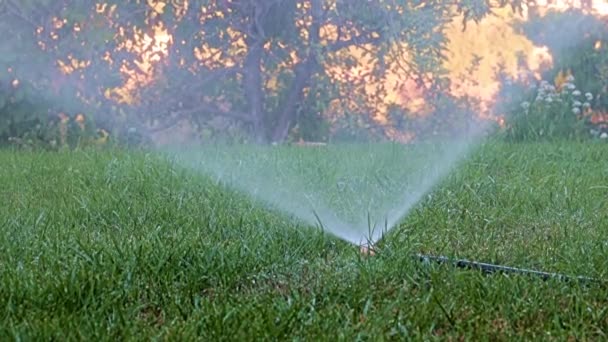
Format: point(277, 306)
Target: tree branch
point(252, 86)
point(358, 40)
point(287, 109)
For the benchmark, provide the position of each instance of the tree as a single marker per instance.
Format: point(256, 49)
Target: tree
point(264, 65)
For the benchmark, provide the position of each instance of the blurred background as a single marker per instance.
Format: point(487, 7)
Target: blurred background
point(154, 73)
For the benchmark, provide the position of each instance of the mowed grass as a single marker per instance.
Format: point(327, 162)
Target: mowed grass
point(123, 245)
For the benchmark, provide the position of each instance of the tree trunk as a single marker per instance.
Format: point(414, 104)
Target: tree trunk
point(252, 86)
point(288, 109)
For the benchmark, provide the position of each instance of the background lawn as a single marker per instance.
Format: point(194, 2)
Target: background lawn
point(114, 244)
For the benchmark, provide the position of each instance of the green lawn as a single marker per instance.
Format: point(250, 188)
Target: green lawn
point(116, 245)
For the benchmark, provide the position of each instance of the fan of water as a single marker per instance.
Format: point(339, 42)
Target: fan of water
point(357, 192)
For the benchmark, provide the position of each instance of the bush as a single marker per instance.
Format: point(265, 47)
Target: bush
point(29, 120)
point(551, 111)
point(27, 125)
point(18, 116)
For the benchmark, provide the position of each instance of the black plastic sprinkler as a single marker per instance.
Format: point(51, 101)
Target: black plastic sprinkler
point(487, 269)
point(368, 249)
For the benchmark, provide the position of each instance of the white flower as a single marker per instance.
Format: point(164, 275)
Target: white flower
point(604, 135)
point(525, 105)
point(576, 93)
point(570, 78)
point(548, 99)
point(577, 103)
point(571, 86)
point(586, 105)
point(539, 98)
point(593, 132)
point(544, 85)
point(589, 96)
point(576, 111)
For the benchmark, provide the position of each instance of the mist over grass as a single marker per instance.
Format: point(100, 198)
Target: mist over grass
point(127, 245)
point(357, 192)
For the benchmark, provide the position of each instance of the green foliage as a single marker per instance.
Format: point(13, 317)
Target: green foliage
point(355, 128)
point(17, 118)
point(27, 125)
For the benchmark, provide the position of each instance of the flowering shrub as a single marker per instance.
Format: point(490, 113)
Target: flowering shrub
point(553, 111)
point(578, 42)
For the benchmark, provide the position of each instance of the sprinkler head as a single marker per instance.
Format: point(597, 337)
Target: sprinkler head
point(367, 250)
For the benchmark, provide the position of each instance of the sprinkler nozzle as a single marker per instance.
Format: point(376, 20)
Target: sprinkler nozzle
point(367, 249)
